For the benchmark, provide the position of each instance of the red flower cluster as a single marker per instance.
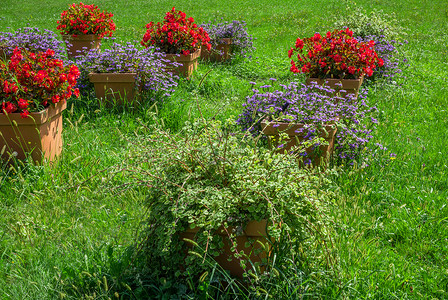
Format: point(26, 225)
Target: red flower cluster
point(86, 19)
point(335, 55)
point(176, 35)
point(29, 81)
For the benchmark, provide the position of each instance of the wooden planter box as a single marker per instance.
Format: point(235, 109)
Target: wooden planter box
point(189, 63)
point(295, 137)
point(81, 44)
point(219, 53)
point(351, 86)
point(114, 88)
point(39, 135)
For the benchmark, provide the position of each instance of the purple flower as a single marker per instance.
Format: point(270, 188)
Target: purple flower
point(148, 63)
point(34, 40)
point(242, 41)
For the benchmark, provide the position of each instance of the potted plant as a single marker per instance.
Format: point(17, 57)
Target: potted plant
point(226, 39)
point(179, 38)
point(121, 71)
point(212, 192)
point(31, 39)
point(33, 93)
point(83, 26)
point(297, 119)
point(335, 58)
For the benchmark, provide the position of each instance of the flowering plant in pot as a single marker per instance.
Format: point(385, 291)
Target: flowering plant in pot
point(309, 116)
point(334, 57)
point(227, 38)
point(84, 25)
point(388, 35)
point(210, 185)
point(180, 38)
point(33, 91)
point(32, 39)
point(122, 70)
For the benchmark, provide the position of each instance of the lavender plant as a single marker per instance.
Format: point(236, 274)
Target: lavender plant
point(242, 41)
point(388, 51)
point(32, 39)
point(312, 106)
point(148, 63)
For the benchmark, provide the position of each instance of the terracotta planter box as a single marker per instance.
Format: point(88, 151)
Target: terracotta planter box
point(318, 156)
point(39, 135)
point(189, 63)
point(114, 88)
point(220, 53)
point(351, 86)
point(254, 233)
point(81, 44)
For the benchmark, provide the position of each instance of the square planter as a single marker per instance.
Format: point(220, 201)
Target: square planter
point(81, 44)
point(351, 86)
point(295, 137)
point(189, 63)
point(114, 88)
point(248, 241)
point(39, 135)
point(219, 53)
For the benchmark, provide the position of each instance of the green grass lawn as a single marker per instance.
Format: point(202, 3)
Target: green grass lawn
point(64, 232)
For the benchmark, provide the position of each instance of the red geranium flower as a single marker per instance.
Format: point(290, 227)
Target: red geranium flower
point(176, 35)
point(337, 54)
point(86, 19)
point(29, 81)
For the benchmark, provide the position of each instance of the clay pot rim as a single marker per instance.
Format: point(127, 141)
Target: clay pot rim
point(182, 57)
point(81, 37)
point(35, 118)
point(112, 77)
point(290, 128)
point(252, 229)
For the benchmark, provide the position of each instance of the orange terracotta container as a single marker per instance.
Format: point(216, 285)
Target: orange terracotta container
point(220, 53)
point(114, 88)
point(351, 86)
point(253, 233)
point(189, 63)
point(39, 135)
point(81, 44)
point(318, 156)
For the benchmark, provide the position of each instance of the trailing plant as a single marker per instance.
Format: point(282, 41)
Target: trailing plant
point(82, 19)
point(212, 178)
point(148, 63)
point(176, 35)
point(32, 39)
point(336, 55)
point(31, 82)
point(242, 41)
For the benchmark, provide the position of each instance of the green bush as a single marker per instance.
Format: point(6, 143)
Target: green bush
point(375, 23)
point(207, 176)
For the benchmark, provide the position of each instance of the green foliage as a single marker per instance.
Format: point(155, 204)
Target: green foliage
point(376, 23)
point(206, 176)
